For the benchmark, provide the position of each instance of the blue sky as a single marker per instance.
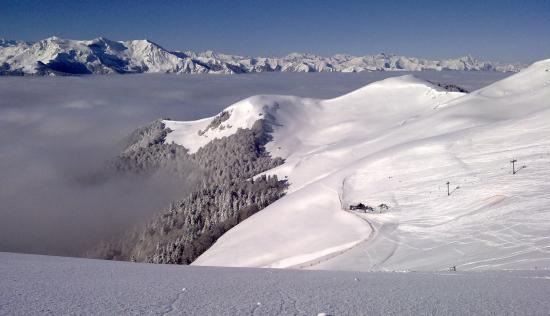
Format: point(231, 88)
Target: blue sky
point(501, 30)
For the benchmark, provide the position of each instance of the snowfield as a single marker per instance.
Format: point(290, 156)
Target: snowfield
point(398, 142)
point(39, 285)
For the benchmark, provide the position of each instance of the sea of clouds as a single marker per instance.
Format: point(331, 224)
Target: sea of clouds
point(56, 132)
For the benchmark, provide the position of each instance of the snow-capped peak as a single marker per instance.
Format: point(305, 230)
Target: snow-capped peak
point(61, 56)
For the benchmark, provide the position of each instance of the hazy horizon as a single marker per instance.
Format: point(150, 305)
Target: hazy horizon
point(506, 31)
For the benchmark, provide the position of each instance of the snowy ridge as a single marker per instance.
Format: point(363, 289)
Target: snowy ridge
point(196, 134)
point(53, 56)
point(397, 142)
point(303, 126)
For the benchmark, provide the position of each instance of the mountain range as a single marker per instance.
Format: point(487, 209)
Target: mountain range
point(56, 56)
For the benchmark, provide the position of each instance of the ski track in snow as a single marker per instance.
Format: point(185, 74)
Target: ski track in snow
point(317, 261)
point(362, 244)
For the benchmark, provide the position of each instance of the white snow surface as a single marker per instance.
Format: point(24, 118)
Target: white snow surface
point(43, 285)
point(398, 141)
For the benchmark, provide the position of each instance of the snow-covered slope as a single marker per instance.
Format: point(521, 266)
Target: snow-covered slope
point(37, 285)
point(397, 142)
point(102, 56)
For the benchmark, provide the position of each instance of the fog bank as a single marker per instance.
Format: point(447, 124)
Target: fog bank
point(56, 132)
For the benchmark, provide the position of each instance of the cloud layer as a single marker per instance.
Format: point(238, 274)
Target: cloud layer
point(55, 132)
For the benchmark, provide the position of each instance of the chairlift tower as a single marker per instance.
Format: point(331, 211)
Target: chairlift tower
point(513, 162)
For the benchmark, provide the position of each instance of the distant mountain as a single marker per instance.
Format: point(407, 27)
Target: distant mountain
point(56, 56)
